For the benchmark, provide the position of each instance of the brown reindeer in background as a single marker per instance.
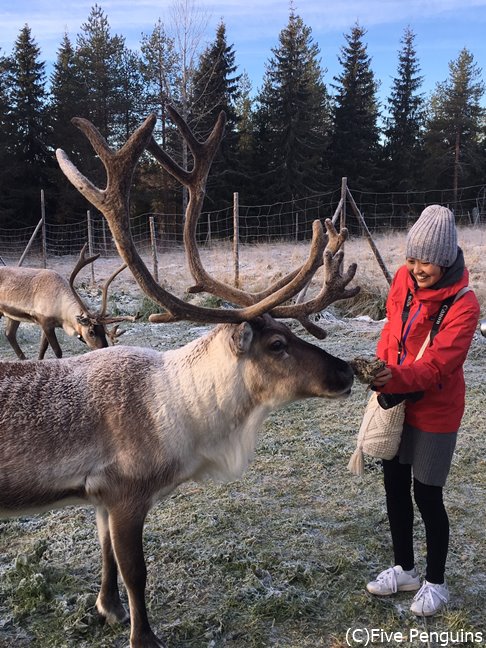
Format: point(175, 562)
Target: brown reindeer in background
point(46, 298)
point(121, 428)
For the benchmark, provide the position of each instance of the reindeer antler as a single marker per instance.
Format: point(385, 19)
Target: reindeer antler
point(82, 261)
point(113, 203)
point(103, 318)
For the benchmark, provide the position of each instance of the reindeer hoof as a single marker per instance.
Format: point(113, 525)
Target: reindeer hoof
point(112, 614)
point(147, 641)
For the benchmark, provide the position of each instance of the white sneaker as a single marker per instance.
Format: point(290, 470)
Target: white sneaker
point(394, 580)
point(430, 599)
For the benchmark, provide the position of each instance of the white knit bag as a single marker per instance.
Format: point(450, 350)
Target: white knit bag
point(379, 434)
point(381, 430)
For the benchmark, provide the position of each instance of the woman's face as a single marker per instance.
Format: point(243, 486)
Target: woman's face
point(426, 274)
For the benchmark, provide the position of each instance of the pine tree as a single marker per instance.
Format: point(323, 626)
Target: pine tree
point(404, 124)
point(99, 59)
point(133, 107)
point(64, 105)
point(4, 103)
point(160, 67)
point(30, 158)
point(454, 128)
point(355, 131)
point(216, 88)
point(292, 120)
point(7, 144)
point(245, 129)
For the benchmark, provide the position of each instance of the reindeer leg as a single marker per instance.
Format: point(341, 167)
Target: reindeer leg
point(52, 339)
point(11, 333)
point(44, 343)
point(126, 530)
point(108, 603)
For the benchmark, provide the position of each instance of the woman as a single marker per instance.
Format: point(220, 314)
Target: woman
point(432, 277)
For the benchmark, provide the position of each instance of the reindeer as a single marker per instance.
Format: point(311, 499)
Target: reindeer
point(47, 299)
point(121, 428)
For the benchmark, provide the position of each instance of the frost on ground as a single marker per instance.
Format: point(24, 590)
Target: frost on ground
point(278, 558)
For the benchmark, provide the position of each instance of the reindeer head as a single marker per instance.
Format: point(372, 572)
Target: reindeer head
point(92, 326)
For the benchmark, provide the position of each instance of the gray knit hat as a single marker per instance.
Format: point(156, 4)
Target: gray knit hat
point(433, 238)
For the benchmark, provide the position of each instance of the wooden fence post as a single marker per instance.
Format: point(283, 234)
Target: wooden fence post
point(27, 247)
point(344, 187)
point(105, 245)
point(337, 213)
point(153, 240)
point(236, 238)
point(44, 234)
point(90, 244)
point(208, 236)
point(367, 232)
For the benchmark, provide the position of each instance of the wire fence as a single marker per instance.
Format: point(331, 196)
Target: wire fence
point(282, 221)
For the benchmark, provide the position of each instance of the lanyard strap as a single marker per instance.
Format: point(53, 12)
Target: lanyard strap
point(405, 313)
point(444, 307)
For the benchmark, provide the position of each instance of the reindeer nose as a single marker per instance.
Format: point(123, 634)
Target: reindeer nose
point(346, 375)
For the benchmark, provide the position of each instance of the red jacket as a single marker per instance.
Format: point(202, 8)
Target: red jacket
point(439, 372)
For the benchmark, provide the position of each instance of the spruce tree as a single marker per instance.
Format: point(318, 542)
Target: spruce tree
point(64, 105)
point(404, 124)
point(7, 143)
point(245, 129)
point(99, 59)
point(454, 144)
point(160, 67)
point(132, 105)
point(64, 90)
point(355, 141)
point(292, 120)
point(216, 89)
point(30, 158)
point(4, 102)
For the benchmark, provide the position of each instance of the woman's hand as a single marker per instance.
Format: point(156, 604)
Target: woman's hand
point(382, 377)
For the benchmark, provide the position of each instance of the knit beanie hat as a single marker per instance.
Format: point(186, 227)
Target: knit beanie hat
point(433, 238)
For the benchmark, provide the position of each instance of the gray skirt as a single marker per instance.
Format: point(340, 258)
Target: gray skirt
point(429, 454)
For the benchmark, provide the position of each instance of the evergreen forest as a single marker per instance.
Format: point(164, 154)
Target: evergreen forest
point(294, 138)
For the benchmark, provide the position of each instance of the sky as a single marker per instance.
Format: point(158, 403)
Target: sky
point(442, 28)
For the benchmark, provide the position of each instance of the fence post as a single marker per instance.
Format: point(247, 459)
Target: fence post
point(236, 238)
point(367, 232)
point(208, 236)
point(342, 221)
point(90, 244)
point(153, 241)
point(44, 235)
point(105, 245)
point(296, 226)
point(27, 247)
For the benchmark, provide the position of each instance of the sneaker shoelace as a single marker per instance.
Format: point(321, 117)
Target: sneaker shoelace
point(427, 593)
point(389, 579)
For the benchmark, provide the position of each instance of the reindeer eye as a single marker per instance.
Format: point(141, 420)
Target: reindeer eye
point(277, 345)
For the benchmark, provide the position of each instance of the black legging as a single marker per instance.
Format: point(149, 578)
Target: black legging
point(398, 482)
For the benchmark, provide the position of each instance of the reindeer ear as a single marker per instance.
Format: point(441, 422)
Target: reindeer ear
point(241, 338)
